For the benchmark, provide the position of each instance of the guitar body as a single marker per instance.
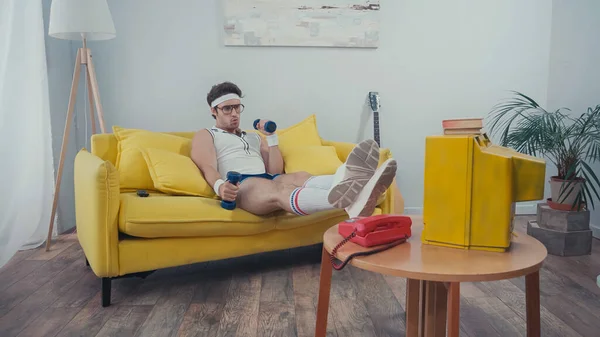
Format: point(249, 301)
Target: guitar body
point(374, 103)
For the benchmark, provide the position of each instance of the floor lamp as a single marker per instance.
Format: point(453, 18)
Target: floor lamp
point(81, 21)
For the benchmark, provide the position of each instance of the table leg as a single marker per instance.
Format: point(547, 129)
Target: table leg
point(435, 309)
point(324, 292)
point(441, 309)
point(422, 301)
point(454, 309)
point(532, 300)
point(413, 294)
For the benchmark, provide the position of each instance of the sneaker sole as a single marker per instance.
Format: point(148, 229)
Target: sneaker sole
point(385, 176)
point(360, 167)
point(363, 159)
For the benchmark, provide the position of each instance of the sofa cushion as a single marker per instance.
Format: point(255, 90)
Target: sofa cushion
point(105, 145)
point(316, 160)
point(303, 133)
point(176, 174)
point(161, 215)
point(133, 170)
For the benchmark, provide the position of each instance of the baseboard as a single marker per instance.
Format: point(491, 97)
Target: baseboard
point(526, 209)
point(521, 209)
point(595, 231)
point(413, 210)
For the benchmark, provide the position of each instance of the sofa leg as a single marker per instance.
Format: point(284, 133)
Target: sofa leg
point(106, 291)
point(87, 263)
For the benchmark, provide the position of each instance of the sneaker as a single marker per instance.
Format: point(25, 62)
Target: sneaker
point(354, 174)
point(366, 201)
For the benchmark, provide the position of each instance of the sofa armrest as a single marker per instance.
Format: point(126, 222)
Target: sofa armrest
point(394, 202)
point(96, 210)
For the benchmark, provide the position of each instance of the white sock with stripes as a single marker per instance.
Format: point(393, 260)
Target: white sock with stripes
point(323, 182)
point(309, 200)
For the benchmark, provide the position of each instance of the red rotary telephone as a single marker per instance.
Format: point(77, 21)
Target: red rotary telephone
point(377, 230)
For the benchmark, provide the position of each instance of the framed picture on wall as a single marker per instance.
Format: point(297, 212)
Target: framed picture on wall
point(304, 23)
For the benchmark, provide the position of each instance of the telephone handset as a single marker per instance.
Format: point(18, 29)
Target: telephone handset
point(377, 230)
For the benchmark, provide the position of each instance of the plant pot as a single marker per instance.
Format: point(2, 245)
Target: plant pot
point(566, 207)
point(566, 199)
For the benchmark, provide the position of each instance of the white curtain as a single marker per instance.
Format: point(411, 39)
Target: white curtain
point(26, 163)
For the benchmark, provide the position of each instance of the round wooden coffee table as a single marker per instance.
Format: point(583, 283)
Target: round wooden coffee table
point(433, 276)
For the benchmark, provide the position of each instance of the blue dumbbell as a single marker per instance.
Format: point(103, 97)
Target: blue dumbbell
point(234, 178)
point(270, 126)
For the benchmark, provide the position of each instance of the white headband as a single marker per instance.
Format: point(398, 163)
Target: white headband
point(223, 99)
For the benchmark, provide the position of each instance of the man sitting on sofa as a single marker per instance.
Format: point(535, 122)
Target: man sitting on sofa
point(264, 188)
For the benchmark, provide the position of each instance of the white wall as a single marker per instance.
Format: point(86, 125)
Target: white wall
point(575, 61)
point(437, 59)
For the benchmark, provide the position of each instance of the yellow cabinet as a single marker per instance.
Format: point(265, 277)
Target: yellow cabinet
point(471, 187)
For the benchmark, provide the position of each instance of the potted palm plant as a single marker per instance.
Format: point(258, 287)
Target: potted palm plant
point(571, 143)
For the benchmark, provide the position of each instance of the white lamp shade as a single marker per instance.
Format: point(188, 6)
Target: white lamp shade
point(69, 19)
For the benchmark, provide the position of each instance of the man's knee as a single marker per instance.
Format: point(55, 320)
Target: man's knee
point(258, 191)
point(303, 175)
point(300, 177)
point(270, 190)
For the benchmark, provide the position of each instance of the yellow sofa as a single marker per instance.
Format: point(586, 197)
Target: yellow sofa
point(123, 234)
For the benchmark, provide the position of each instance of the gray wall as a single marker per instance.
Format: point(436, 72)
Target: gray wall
point(575, 61)
point(60, 61)
point(437, 59)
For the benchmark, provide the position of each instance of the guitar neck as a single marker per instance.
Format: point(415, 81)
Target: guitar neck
point(376, 127)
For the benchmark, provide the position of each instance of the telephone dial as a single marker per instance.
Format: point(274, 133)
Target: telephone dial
point(383, 230)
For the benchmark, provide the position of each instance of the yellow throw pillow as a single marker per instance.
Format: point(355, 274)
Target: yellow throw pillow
point(316, 160)
point(177, 174)
point(304, 133)
point(133, 170)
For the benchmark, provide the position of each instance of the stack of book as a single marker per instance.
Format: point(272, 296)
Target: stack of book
point(462, 126)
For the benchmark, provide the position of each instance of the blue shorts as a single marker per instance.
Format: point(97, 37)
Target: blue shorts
point(262, 175)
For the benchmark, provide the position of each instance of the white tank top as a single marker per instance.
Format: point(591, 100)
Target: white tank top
point(237, 153)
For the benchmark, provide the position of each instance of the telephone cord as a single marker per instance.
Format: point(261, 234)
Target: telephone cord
point(348, 238)
point(335, 249)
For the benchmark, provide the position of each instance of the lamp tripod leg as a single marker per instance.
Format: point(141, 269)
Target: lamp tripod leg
point(95, 91)
point(65, 141)
point(91, 101)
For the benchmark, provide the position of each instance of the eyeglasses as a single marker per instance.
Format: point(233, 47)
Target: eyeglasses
point(228, 109)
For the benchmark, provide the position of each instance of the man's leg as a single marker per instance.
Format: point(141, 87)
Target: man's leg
point(324, 181)
point(296, 179)
point(259, 195)
point(305, 179)
point(356, 186)
point(362, 160)
point(262, 196)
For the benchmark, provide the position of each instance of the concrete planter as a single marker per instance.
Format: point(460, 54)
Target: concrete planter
point(564, 221)
point(564, 233)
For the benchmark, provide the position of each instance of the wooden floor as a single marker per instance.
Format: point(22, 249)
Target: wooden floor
point(275, 294)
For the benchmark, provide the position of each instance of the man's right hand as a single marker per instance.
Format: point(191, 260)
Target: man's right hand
point(228, 191)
